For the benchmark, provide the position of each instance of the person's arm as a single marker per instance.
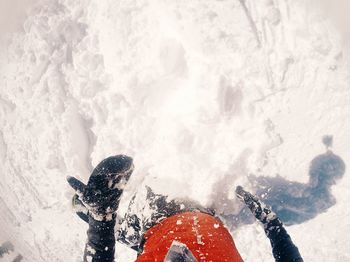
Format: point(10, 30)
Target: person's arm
point(99, 201)
point(100, 235)
point(101, 240)
point(283, 248)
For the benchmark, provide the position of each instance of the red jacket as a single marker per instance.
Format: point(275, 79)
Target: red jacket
point(204, 235)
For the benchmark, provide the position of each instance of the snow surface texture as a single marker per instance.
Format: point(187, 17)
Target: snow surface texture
point(200, 93)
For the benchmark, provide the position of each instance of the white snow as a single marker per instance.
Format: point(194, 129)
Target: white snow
point(179, 222)
point(200, 93)
point(91, 250)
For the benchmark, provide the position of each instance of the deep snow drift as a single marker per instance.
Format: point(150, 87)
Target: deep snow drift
point(200, 93)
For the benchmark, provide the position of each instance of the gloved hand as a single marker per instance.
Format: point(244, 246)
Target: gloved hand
point(262, 212)
point(101, 196)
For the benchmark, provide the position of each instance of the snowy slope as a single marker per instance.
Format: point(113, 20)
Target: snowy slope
point(197, 92)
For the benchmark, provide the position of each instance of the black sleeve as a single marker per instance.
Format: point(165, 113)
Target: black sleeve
point(101, 241)
point(282, 245)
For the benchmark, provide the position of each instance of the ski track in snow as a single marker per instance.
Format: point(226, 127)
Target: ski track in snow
point(197, 92)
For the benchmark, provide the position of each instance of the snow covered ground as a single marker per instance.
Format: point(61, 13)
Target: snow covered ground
point(197, 92)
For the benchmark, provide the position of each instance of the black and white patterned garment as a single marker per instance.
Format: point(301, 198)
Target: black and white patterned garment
point(146, 209)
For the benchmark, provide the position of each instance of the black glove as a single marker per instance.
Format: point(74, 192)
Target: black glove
point(262, 212)
point(101, 196)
